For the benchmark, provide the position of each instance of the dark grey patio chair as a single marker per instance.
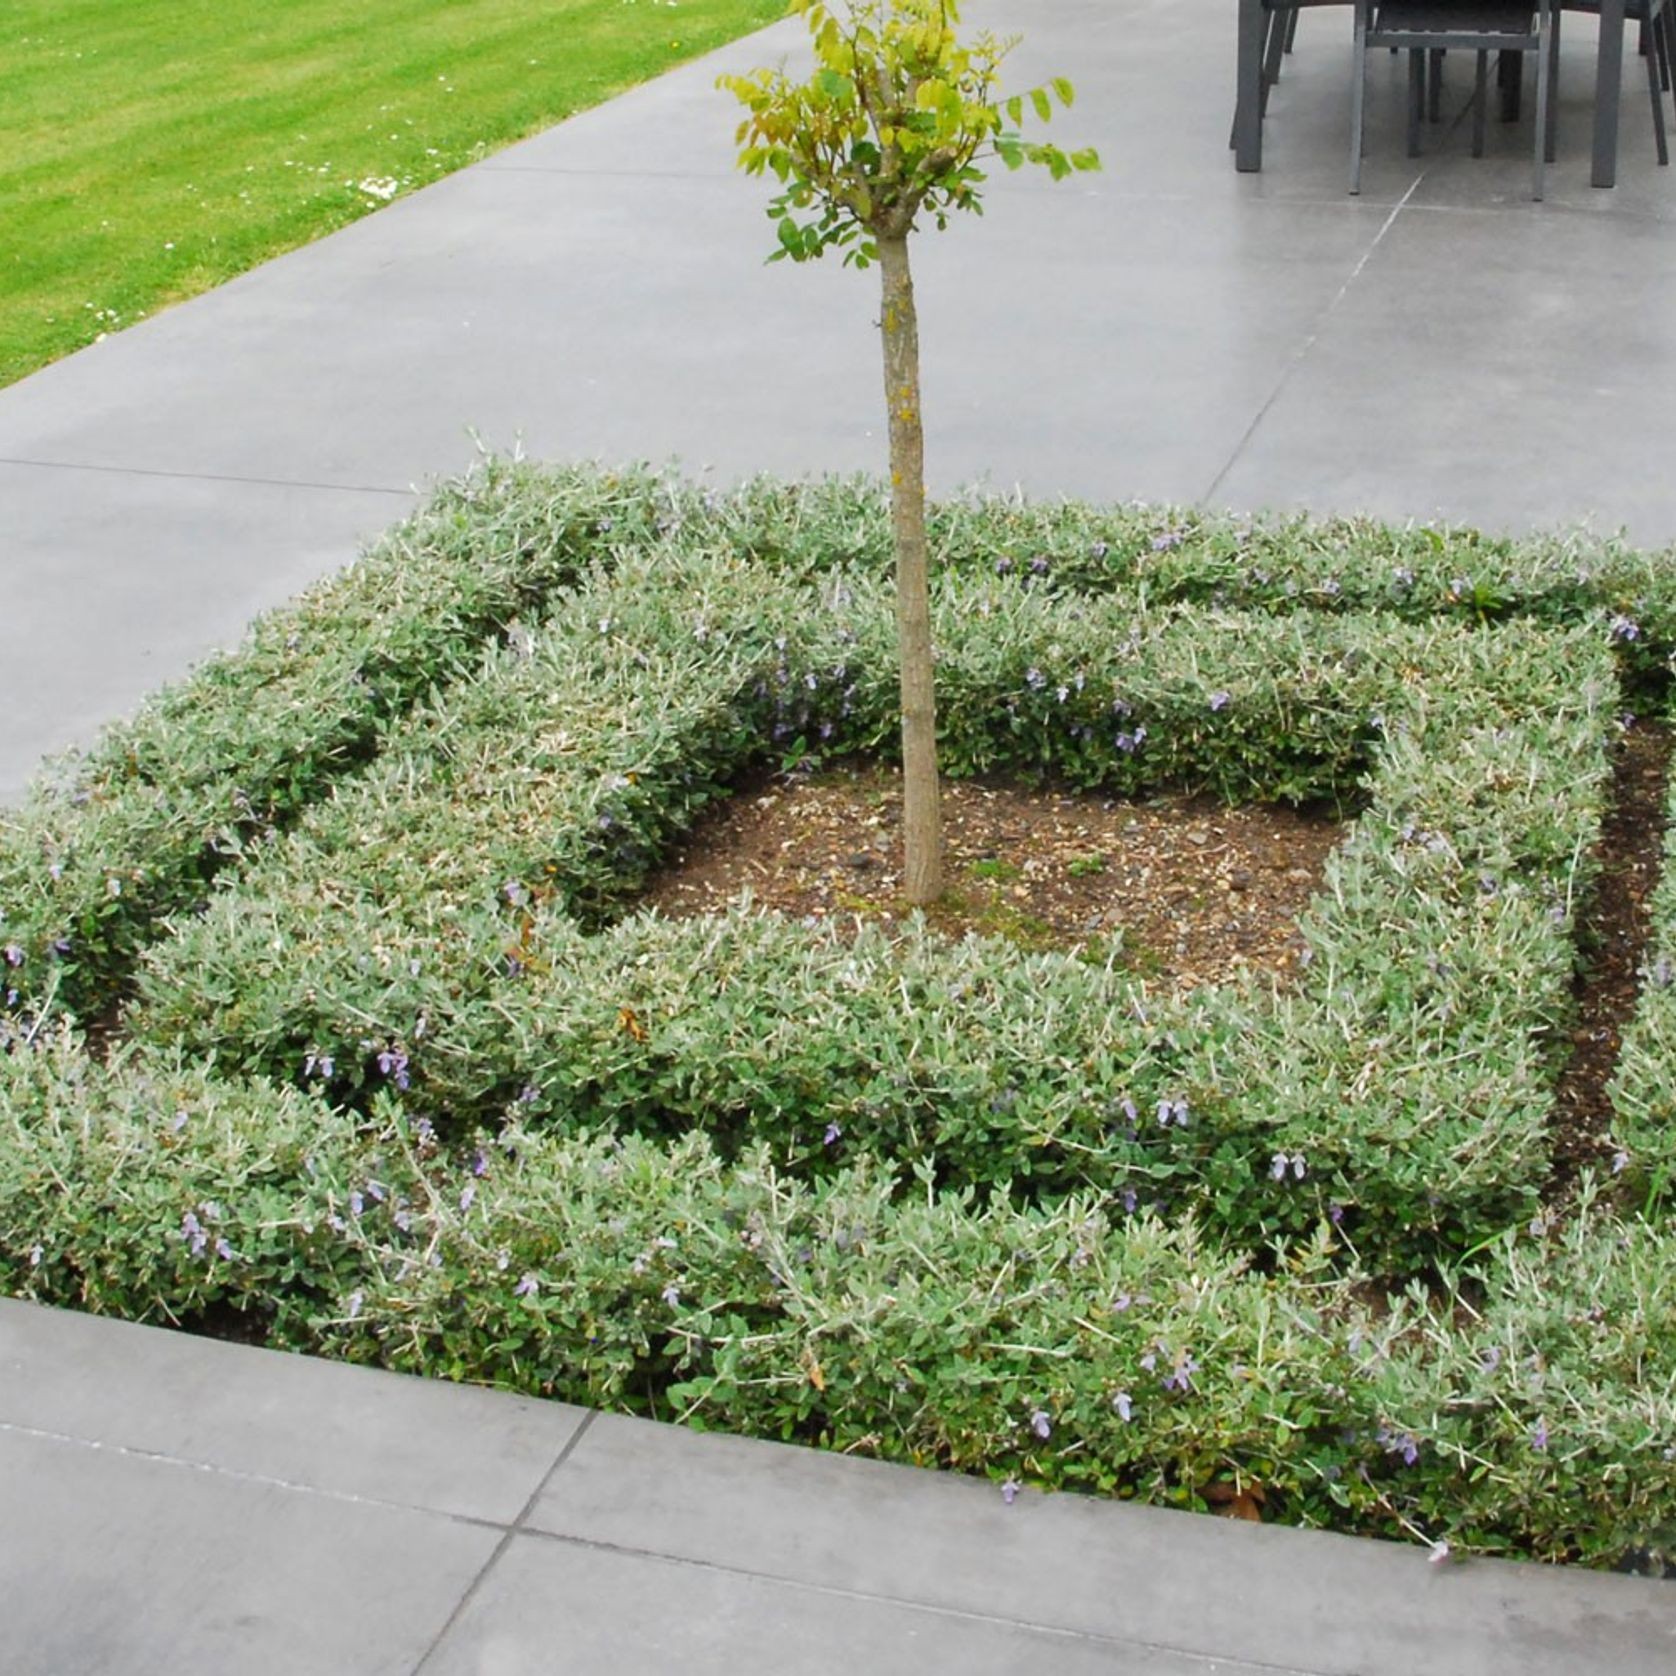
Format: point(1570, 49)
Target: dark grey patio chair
point(1280, 26)
point(1427, 27)
point(1658, 46)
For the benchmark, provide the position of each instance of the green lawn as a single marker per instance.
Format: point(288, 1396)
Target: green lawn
point(150, 149)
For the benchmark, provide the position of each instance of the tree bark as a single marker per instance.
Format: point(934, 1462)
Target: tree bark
point(922, 819)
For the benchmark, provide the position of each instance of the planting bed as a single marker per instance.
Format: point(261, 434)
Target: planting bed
point(336, 994)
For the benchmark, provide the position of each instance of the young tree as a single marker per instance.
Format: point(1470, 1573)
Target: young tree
point(895, 119)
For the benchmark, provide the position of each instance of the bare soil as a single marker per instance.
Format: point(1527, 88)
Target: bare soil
point(1179, 890)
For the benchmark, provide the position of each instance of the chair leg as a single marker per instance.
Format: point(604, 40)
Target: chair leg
point(1434, 83)
point(1358, 93)
point(1551, 146)
point(1272, 51)
point(1657, 95)
point(1545, 18)
point(1510, 76)
point(1416, 98)
point(1480, 99)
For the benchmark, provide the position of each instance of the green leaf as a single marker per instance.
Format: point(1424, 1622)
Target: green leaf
point(1067, 94)
point(1044, 108)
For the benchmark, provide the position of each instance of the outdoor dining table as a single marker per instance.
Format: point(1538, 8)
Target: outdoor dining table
point(1609, 65)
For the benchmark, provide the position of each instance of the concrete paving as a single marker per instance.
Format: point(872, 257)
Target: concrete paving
point(1168, 330)
point(182, 1506)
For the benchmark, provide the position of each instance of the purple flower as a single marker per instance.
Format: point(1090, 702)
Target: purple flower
point(515, 893)
point(223, 1250)
point(1399, 1443)
point(1625, 629)
point(1180, 1378)
point(1034, 679)
point(356, 1203)
point(1404, 577)
point(352, 1304)
point(178, 1124)
point(1039, 565)
point(1539, 1435)
point(1490, 1359)
point(1009, 1491)
point(1172, 1111)
point(392, 1062)
point(1124, 1407)
point(1121, 1302)
point(467, 1194)
point(1003, 567)
point(1439, 1554)
point(1620, 1163)
point(1041, 1425)
point(1170, 538)
point(1335, 1214)
point(14, 955)
point(318, 1064)
point(480, 1163)
point(834, 1134)
point(1219, 700)
point(672, 1294)
point(527, 1287)
point(1130, 742)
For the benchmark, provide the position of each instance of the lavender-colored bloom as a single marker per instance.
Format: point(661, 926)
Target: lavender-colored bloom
point(1172, 1111)
point(834, 1134)
point(223, 1250)
point(1121, 1302)
point(1625, 629)
point(1539, 1435)
point(178, 1124)
point(1620, 1163)
point(1003, 567)
point(352, 1304)
point(392, 1062)
point(356, 1203)
point(1041, 1425)
point(1009, 1491)
point(1662, 972)
point(14, 955)
point(1034, 679)
point(1404, 577)
point(318, 1064)
point(1490, 1359)
point(36, 1255)
point(1098, 550)
point(527, 1287)
point(1277, 1167)
point(1169, 539)
point(515, 893)
point(1124, 1407)
point(1149, 1361)
point(1061, 693)
point(1129, 1200)
point(1220, 700)
point(672, 1294)
point(1180, 1378)
point(1335, 1214)
point(1458, 587)
point(467, 1194)
point(480, 1163)
point(1439, 1553)
point(1039, 565)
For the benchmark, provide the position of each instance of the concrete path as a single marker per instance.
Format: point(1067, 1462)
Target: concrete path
point(187, 1508)
point(1166, 330)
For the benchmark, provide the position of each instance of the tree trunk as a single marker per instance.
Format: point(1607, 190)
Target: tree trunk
point(922, 819)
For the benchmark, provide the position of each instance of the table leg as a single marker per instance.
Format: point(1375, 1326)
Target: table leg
point(1248, 102)
point(1609, 73)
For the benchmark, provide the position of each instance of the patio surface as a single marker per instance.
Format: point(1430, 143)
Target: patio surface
point(1439, 348)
